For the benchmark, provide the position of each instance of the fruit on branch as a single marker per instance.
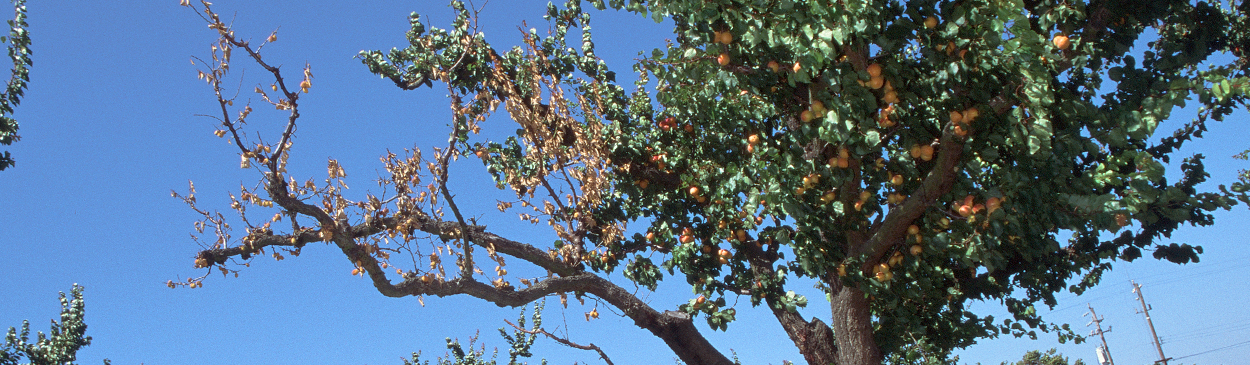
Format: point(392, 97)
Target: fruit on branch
point(864, 195)
point(667, 123)
point(883, 273)
point(818, 107)
point(829, 197)
point(1061, 41)
point(896, 259)
point(960, 130)
point(875, 80)
point(876, 83)
point(956, 117)
point(874, 70)
point(811, 180)
point(965, 209)
point(992, 204)
point(890, 96)
point(930, 22)
point(971, 114)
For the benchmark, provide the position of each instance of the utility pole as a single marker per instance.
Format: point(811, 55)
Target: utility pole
point(1145, 309)
point(1103, 351)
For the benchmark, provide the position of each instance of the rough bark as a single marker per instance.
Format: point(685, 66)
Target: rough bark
point(852, 324)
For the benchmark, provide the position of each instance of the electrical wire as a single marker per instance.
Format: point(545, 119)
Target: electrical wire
point(1213, 350)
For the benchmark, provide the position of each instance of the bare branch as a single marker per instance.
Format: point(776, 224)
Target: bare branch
point(564, 341)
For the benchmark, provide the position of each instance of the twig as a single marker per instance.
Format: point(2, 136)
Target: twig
point(563, 341)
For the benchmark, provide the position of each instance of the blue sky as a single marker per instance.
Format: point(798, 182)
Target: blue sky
point(111, 125)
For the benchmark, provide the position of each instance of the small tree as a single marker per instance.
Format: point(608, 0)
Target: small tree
point(1051, 357)
point(907, 156)
point(519, 343)
point(62, 343)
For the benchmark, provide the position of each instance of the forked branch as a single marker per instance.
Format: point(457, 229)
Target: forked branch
point(564, 341)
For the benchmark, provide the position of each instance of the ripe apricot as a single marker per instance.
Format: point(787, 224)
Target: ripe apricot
point(993, 204)
point(971, 114)
point(874, 70)
point(1061, 41)
point(926, 152)
point(818, 107)
point(890, 97)
point(956, 117)
point(876, 82)
point(807, 115)
point(829, 197)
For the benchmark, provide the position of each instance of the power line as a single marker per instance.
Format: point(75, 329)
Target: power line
point(1201, 272)
point(1219, 330)
point(1213, 350)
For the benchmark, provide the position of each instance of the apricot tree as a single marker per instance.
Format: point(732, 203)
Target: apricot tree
point(909, 157)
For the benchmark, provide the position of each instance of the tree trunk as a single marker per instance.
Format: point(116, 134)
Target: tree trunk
point(852, 326)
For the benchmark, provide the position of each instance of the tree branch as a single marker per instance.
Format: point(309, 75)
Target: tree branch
point(814, 339)
point(675, 328)
point(893, 228)
point(563, 341)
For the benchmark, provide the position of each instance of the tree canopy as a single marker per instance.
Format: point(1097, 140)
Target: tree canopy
point(1050, 357)
point(907, 156)
point(59, 346)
